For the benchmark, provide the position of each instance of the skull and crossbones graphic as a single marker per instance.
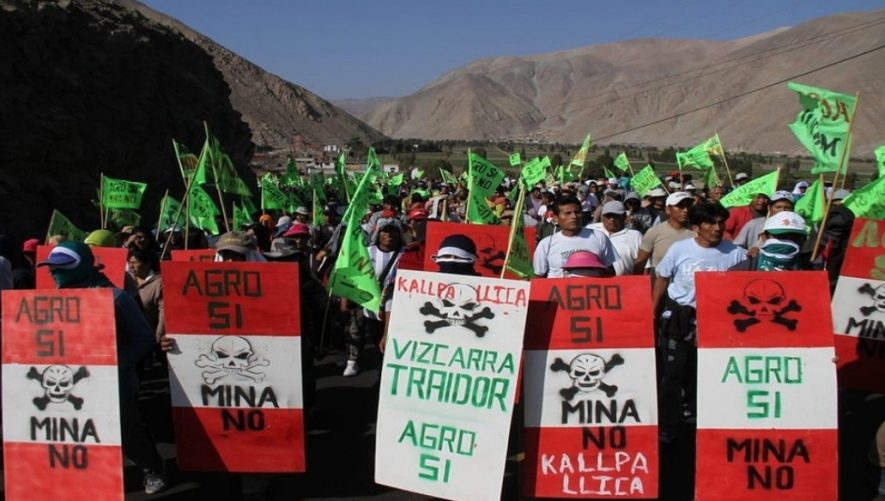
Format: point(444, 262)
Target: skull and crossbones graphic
point(586, 371)
point(764, 300)
point(231, 356)
point(457, 305)
point(57, 382)
point(878, 295)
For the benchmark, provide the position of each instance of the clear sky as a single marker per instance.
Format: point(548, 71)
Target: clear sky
point(364, 48)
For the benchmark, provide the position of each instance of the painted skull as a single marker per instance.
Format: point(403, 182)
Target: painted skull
point(587, 371)
point(58, 381)
point(457, 303)
point(764, 298)
point(232, 352)
point(879, 298)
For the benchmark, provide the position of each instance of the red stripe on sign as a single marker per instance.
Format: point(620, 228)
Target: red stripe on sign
point(592, 462)
point(758, 309)
point(767, 464)
point(71, 326)
point(861, 363)
point(113, 259)
point(258, 299)
point(865, 255)
point(240, 439)
point(581, 313)
point(62, 471)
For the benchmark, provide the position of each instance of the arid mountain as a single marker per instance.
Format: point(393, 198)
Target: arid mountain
point(358, 106)
point(102, 86)
point(614, 90)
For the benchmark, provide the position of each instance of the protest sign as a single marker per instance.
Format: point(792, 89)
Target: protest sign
point(766, 389)
point(61, 410)
point(112, 258)
point(193, 255)
point(859, 309)
point(491, 245)
point(591, 404)
point(644, 180)
point(236, 375)
point(121, 194)
point(448, 384)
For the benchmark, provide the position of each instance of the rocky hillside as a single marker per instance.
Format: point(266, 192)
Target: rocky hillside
point(610, 90)
point(93, 86)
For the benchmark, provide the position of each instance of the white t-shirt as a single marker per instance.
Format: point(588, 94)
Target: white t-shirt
point(553, 251)
point(685, 257)
point(380, 259)
point(626, 242)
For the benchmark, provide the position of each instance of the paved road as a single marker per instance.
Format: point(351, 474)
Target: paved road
point(341, 449)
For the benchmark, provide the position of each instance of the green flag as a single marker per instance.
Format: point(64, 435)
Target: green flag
point(249, 205)
point(222, 169)
point(813, 203)
point(484, 176)
point(710, 178)
point(241, 217)
point(697, 157)
point(644, 180)
point(622, 163)
point(293, 202)
point(123, 217)
point(418, 174)
point(713, 146)
point(880, 160)
point(868, 202)
point(823, 126)
point(515, 160)
point(353, 276)
point(169, 209)
point(608, 174)
point(518, 260)
point(447, 176)
point(478, 211)
point(271, 196)
point(202, 210)
point(581, 156)
point(534, 171)
point(120, 194)
point(60, 225)
point(317, 210)
point(187, 161)
point(396, 180)
point(743, 195)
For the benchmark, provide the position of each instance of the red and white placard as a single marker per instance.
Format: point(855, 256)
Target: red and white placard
point(61, 409)
point(491, 245)
point(193, 254)
point(112, 258)
point(236, 370)
point(859, 309)
point(590, 394)
point(767, 421)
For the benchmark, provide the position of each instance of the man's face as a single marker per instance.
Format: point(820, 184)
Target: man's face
point(658, 202)
point(779, 206)
point(593, 188)
point(759, 203)
point(302, 242)
point(711, 232)
point(301, 218)
point(569, 217)
point(717, 193)
point(139, 268)
point(140, 240)
point(230, 256)
point(388, 238)
point(679, 212)
point(613, 223)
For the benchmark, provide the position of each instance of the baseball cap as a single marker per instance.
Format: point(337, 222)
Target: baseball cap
point(657, 192)
point(740, 176)
point(174, 228)
point(785, 222)
point(841, 194)
point(417, 215)
point(236, 241)
point(64, 256)
point(303, 211)
point(688, 187)
point(782, 195)
point(30, 245)
point(612, 180)
point(614, 207)
point(281, 247)
point(678, 197)
point(297, 229)
point(583, 259)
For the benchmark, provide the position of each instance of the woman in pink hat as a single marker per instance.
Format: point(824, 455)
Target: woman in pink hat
point(585, 264)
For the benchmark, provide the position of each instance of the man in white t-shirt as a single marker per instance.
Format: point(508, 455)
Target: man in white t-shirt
point(626, 241)
point(553, 251)
point(674, 300)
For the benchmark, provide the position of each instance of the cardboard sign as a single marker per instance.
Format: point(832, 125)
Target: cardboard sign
point(113, 259)
point(236, 372)
point(490, 240)
point(193, 255)
point(591, 400)
point(448, 384)
point(859, 309)
point(61, 409)
point(766, 387)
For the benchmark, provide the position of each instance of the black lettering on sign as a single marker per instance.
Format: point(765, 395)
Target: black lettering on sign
point(51, 342)
point(603, 438)
point(50, 309)
point(583, 328)
point(598, 411)
point(220, 315)
point(581, 297)
point(869, 328)
point(782, 477)
point(223, 283)
point(64, 455)
point(237, 396)
point(756, 450)
point(253, 420)
point(57, 429)
point(869, 348)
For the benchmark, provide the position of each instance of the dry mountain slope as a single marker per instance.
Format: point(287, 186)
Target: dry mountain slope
point(611, 88)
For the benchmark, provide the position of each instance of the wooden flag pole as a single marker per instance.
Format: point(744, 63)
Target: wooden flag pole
point(469, 185)
point(845, 157)
point(517, 212)
point(832, 193)
point(101, 200)
point(724, 160)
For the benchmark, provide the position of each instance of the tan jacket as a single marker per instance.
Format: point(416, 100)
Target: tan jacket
point(151, 293)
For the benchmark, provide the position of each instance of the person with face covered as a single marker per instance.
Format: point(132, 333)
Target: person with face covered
point(750, 234)
point(780, 247)
point(585, 264)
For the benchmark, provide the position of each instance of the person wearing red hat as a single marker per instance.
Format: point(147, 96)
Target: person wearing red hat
point(23, 277)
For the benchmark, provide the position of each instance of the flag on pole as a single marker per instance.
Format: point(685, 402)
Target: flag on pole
point(317, 210)
point(271, 196)
point(533, 171)
point(622, 163)
point(813, 203)
point(249, 205)
point(518, 259)
point(697, 157)
point(880, 160)
point(241, 217)
point(823, 126)
point(61, 225)
point(515, 160)
point(187, 161)
point(867, 202)
point(169, 208)
point(644, 180)
point(713, 146)
point(484, 177)
point(710, 178)
point(120, 194)
point(608, 174)
point(447, 176)
point(743, 195)
point(580, 157)
point(202, 210)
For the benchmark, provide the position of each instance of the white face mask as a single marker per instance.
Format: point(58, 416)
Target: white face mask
point(584, 272)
